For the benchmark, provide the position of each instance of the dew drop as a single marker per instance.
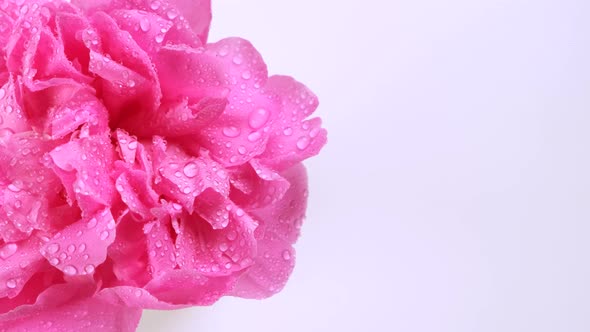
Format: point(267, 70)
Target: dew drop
point(138, 293)
point(253, 137)
point(241, 150)
point(237, 60)
point(54, 261)
point(286, 255)
point(104, 235)
point(92, 223)
point(89, 268)
point(303, 143)
point(172, 13)
point(13, 188)
point(231, 131)
point(2, 93)
point(288, 131)
point(70, 270)
point(223, 246)
point(246, 75)
point(190, 170)
point(11, 283)
point(232, 235)
point(144, 24)
point(155, 5)
point(53, 248)
point(159, 38)
point(258, 118)
point(82, 248)
point(71, 248)
point(8, 250)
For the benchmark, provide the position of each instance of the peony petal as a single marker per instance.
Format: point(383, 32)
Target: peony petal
point(79, 248)
point(185, 287)
point(183, 178)
point(160, 246)
point(83, 166)
point(279, 228)
point(257, 185)
point(218, 252)
point(18, 263)
point(12, 117)
point(128, 253)
point(75, 110)
point(72, 307)
point(293, 139)
point(241, 131)
point(129, 79)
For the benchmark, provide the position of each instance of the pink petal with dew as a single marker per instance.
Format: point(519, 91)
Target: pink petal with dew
point(79, 248)
point(191, 19)
point(72, 307)
point(257, 185)
point(82, 107)
point(84, 167)
point(128, 253)
point(147, 29)
point(22, 160)
point(12, 117)
point(216, 252)
point(183, 178)
point(293, 138)
point(278, 230)
point(129, 81)
point(160, 246)
point(185, 287)
point(242, 131)
point(19, 261)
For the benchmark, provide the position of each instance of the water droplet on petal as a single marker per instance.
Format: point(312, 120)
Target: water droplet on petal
point(155, 5)
point(286, 255)
point(246, 75)
point(303, 143)
point(190, 169)
point(92, 223)
point(53, 248)
point(258, 118)
point(288, 131)
point(89, 268)
point(237, 60)
point(253, 137)
point(11, 283)
point(54, 261)
point(8, 250)
point(159, 38)
point(2, 93)
point(144, 24)
point(104, 235)
point(172, 13)
point(70, 270)
point(231, 131)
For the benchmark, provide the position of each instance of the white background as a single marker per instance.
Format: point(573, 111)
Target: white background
point(454, 192)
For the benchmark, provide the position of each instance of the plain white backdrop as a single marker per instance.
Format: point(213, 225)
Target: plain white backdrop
point(454, 192)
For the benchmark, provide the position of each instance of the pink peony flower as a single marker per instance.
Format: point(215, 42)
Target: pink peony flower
point(140, 166)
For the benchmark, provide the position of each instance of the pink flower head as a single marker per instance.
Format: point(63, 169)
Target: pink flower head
point(140, 166)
